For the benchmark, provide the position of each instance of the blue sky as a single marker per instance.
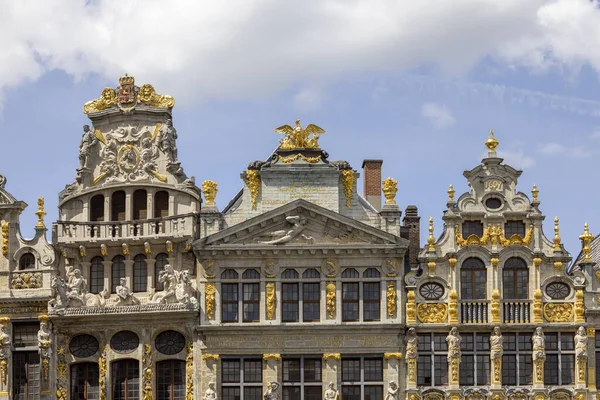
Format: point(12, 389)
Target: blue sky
point(416, 85)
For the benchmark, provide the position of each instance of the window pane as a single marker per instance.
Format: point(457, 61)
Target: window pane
point(230, 393)
point(84, 381)
point(229, 293)
point(291, 370)
point(351, 392)
point(441, 370)
point(231, 371)
point(253, 393)
point(252, 370)
point(140, 273)
point(118, 272)
point(509, 369)
point(26, 375)
point(313, 393)
point(525, 343)
point(373, 392)
point(567, 342)
point(290, 305)
point(439, 342)
point(373, 369)
point(311, 301)
point(371, 301)
point(25, 334)
point(350, 301)
point(467, 370)
point(125, 380)
point(251, 301)
point(567, 365)
point(97, 275)
point(551, 369)
point(472, 228)
point(525, 369)
point(551, 341)
point(312, 370)
point(424, 371)
point(170, 380)
point(351, 370)
point(291, 393)
point(483, 370)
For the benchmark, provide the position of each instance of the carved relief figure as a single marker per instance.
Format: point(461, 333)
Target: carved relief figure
point(539, 344)
point(411, 341)
point(184, 292)
point(453, 339)
point(178, 287)
point(496, 344)
point(286, 235)
point(124, 296)
point(392, 392)
point(44, 340)
point(331, 393)
point(167, 140)
point(273, 391)
point(210, 393)
point(76, 284)
point(88, 140)
point(4, 339)
point(581, 341)
point(168, 277)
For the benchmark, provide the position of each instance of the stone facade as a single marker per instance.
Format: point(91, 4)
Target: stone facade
point(300, 288)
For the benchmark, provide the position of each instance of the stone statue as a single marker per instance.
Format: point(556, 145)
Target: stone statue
point(4, 339)
point(392, 392)
point(210, 393)
point(453, 339)
point(178, 287)
point(287, 235)
point(331, 393)
point(496, 344)
point(76, 284)
point(273, 391)
point(44, 340)
point(184, 291)
point(411, 341)
point(539, 344)
point(581, 341)
point(88, 140)
point(124, 296)
point(167, 140)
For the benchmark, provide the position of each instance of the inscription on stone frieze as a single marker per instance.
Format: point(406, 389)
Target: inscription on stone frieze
point(289, 341)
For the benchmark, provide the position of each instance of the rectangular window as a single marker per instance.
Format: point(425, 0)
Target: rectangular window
point(170, 380)
point(559, 367)
point(26, 375)
point(432, 365)
point(514, 228)
point(472, 228)
point(84, 381)
point(311, 299)
point(516, 361)
point(475, 361)
point(241, 379)
point(251, 302)
point(302, 378)
point(362, 378)
point(350, 301)
point(229, 302)
point(290, 305)
point(371, 301)
point(25, 334)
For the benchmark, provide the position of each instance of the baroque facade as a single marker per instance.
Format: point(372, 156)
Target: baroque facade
point(300, 288)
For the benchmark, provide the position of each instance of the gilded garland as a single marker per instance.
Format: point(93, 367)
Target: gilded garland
point(290, 159)
point(253, 182)
point(331, 293)
point(102, 373)
point(189, 372)
point(432, 312)
point(270, 295)
point(558, 312)
point(391, 298)
point(348, 182)
point(147, 377)
point(4, 237)
point(209, 299)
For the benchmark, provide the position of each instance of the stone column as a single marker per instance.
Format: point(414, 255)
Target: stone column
point(150, 262)
point(107, 274)
point(85, 271)
point(129, 273)
point(272, 369)
point(331, 368)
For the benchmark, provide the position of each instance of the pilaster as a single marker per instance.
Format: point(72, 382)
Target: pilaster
point(331, 367)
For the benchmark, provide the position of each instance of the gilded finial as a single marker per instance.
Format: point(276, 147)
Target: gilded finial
point(491, 143)
point(431, 238)
point(534, 193)
point(390, 190)
point(586, 238)
point(451, 194)
point(557, 238)
point(209, 188)
point(40, 213)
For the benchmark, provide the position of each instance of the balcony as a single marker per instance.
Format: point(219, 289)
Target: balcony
point(473, 312)
point(156, 228)
point(516, 312)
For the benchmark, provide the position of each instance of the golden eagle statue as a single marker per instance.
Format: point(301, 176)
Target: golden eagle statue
point(298, 137)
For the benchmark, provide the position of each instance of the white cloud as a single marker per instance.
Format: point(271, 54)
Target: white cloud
point(309, 99)
point(569, 151)
point(516, 158)
point(250, 48)
point(438, 114)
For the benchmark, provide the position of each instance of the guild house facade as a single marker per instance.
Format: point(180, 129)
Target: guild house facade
point(299, 289)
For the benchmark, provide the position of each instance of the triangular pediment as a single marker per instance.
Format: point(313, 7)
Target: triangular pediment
point(301, 223)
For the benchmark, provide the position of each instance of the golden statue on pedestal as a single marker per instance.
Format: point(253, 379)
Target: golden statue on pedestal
point(298, 137)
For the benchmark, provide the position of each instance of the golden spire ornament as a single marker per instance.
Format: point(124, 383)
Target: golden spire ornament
point(389, 190)
point(586, 238)
point(491, 143)
point(451, 194)
point(40, 213)
point(431, 238)
point(535, 192)
point(209, 188)
point(557, 238)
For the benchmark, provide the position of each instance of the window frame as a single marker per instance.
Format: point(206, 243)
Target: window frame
point(242, 286)
point(467, 228)
point(96, 275)
point(509, 228)
point(559, 354)
point(160, 261)
point(23, 380)
point(140, 274)
point(75, 370)
point(171, 383)
point(479, 356)
point(302, 383)
point(31, 265)
point(521, 354)
point(515, 282)
point(363, 382)
point(433, 354)
point(465, 268)
point(116, 275)
point(128, 362)
point(241, 382)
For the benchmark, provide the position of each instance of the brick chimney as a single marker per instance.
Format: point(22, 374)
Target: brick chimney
point(372, 182)
point(412, 222)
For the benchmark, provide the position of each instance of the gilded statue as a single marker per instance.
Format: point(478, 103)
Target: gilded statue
point(107, 99)
point(539, 344)
point(581, 341)
point(331, 393)
point(298, 137)
point(496, 344)
point(149, 97)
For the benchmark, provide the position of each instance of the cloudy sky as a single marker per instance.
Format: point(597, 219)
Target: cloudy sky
point(418, 84)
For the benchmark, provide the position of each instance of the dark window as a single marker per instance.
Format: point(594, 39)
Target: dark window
point(493, 203)
point(169, 342)
point(251, 302)
point(26, 375)
point(311, 301)
point(371, 273)
point(371, 301)
point(350, 300)
point(84, 346)
point(97, 208)
point(84, 381)
point(125, 383)
point(140, 204)
point(124, 342)
point(229, 302)
point(250, 274)
point(558, 290)
point(97, 275)
point(559, 367)
point(362, 378)
point(140, 273)
point(517, 364)
point(27, 261)
point(161, 204)
point(514, 228)
point(472, 228)
point(170, 380)
point(475, 360)
point(161, 260)
point(229, 274)
point(241, 379)
point(473, 278)
point(118, 206)
point(25, 334)
point(301, 378)
point(289, 274)
point(432, 364)
point(350, 273)
point(311, 273)
point(118, 272)
point(290, 302)
point(515, 279)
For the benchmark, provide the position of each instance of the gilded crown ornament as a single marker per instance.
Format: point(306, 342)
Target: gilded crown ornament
point(299, 137)
point(557, 238)
point(491, 143)
point(40, 213)
point(535, 192)
point(127, 96)
point(389, 190)
point(451, 194)
point(209, 188)
point(586, 238)
point(430, 238)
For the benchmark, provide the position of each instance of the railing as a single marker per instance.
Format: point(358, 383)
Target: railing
point(176, 226)
point(516, 312)
point(473, 312)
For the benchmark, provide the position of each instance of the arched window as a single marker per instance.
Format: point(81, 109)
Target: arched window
point(97, 275)
point(140, 273)
point(251, 296)
point(27, 261)
point(371, 295)
point(229, 296)
point(125, 380)
point(289, 274)
point(118, 272)
point(371, 273)
point(311, 273)
point(473, 279)
point(515, 279)
point(170, 380)
point(140, 204)
point(161, 260)
point(118, 206)
point(84, 381)
point(350, 295)
point(97, 208)
point(161, 204)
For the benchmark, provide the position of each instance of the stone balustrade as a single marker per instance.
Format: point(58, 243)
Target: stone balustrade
point(516, 312)
point(474, 312)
